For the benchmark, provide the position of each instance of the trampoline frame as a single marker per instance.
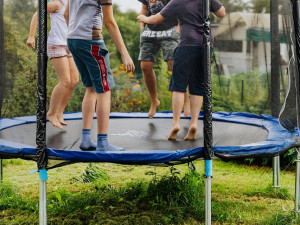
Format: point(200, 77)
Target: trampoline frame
point(279, 140)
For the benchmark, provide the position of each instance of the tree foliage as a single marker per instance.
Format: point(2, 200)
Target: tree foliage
point(257, 6)
point(236, 5)
point(20, 12)
point(260, 6)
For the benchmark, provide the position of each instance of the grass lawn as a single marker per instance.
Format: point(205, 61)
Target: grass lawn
point(117, 194)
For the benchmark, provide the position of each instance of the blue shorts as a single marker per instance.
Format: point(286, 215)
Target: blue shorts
point(92, 61)
point(188, 70)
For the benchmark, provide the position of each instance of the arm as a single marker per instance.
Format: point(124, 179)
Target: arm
point(115, 35)
point(221, 12)
point(31, 39)
point(144, 12)
point(66, 13)
point(52, 7)
point(178, 28)
point(154, 19)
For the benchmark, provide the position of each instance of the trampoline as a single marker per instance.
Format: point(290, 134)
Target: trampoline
point(225, 135)
point(145, 140)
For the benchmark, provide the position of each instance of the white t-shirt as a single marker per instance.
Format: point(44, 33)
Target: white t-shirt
point(84, 15)
point(59, 29)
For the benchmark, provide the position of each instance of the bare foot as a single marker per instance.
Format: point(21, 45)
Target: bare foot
point(54, 121)
point(61, 120)
point(153, 108)
point(187, 110)
point(174, 132)
point(191, 135)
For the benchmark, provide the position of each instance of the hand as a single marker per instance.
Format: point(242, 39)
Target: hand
point(142, 18)
point(31, 42)
point(128, 63)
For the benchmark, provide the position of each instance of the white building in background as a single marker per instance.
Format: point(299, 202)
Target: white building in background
point(242, 42)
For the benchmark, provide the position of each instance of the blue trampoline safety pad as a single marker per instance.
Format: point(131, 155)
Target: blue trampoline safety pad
point(158, 149)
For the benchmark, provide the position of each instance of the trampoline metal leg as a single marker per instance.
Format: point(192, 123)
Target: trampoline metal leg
point(297, 184)
point(276, 171)
point(1, 170)
point(43, 197)
point(43, 203)
point(208, 177)
point(207, 200)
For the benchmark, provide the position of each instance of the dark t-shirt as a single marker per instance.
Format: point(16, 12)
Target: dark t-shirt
point(189, 14)
point(154, 7)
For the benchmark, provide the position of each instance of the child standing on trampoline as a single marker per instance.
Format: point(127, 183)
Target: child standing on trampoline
point(85, 41)
point(163, 36)
point(187, 70)
point(61, 59)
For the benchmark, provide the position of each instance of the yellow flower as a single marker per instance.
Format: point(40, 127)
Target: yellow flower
point(131, 103)
point(137, 86)
point(130, 74)
point(122, 67)
point(170, 72)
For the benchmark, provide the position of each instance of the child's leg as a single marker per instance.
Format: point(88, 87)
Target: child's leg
point(177, 104)
point(74, 79)
point(196, 104)
point(187, 104)
point(61, 91)
point(150, 80)
point(88, 107)
point(88, 110)
point(186, 107)
point(103, 111)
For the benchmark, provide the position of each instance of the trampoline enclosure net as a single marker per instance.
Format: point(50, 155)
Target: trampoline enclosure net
point(253, 70)
point(242, 65)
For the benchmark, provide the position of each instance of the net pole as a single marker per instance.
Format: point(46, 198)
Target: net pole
point(2, 58)
point(275, 59)
point(41, 108)
point(297, 39)
point(2, 72)
point(297, 44)
point(207, 108)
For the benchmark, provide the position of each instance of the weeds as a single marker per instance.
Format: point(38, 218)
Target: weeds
point(11, 162)
point(11, 199)
point(169, 199)
point(93, 174)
